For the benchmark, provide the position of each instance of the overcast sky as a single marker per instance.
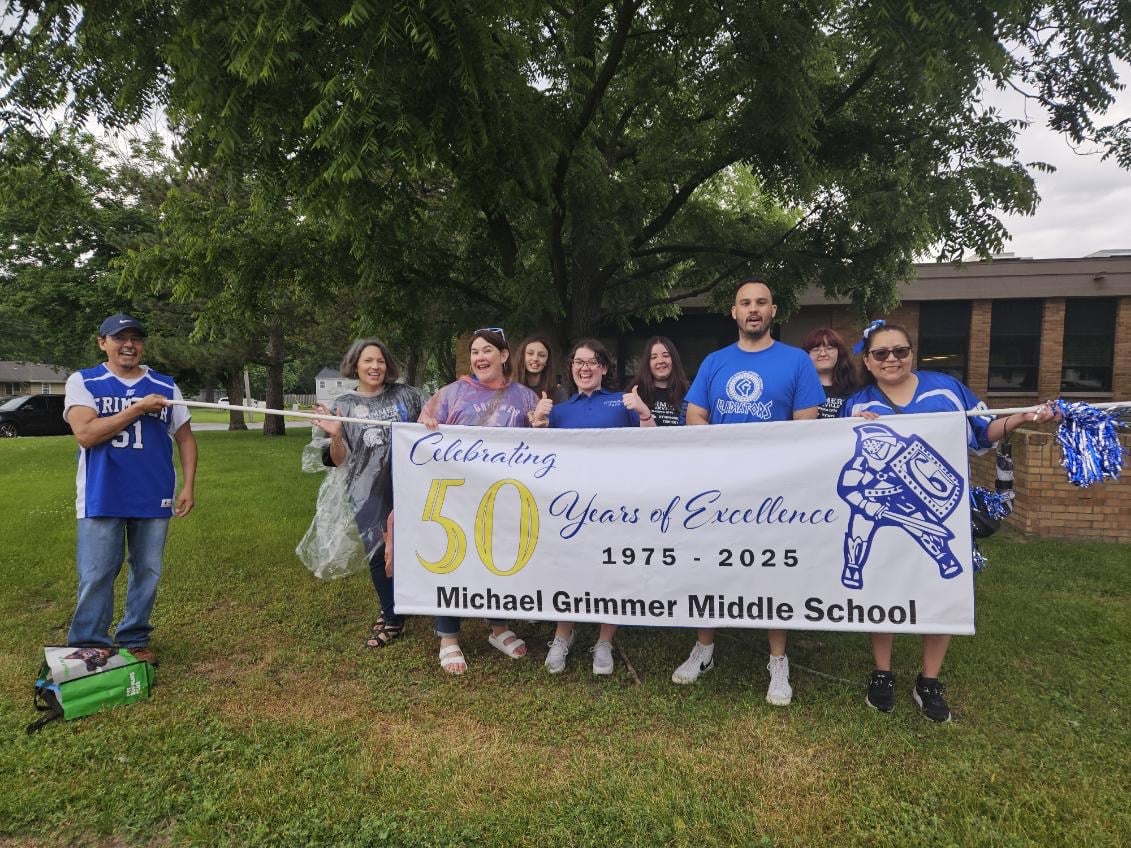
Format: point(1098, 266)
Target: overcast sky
point(1085, 206)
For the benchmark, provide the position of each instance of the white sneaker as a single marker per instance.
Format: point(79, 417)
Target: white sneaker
point(603, 657)
point(559, 650)
point(702, 660)
point(780, 692)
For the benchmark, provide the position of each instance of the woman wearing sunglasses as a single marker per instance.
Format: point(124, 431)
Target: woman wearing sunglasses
point(893, 386)
point(486, 398)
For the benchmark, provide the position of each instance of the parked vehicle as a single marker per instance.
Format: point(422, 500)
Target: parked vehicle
point(33, 415)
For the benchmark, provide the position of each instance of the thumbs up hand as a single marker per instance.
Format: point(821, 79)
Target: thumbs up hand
point(540, 417)
point(633, 402)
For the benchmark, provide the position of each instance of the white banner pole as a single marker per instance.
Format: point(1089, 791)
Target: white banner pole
point(294, 414)
point(288, 413)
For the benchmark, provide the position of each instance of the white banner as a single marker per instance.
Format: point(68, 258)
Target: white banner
point(812, 525)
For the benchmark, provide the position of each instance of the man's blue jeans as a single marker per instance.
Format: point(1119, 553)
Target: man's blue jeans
point(101, 548)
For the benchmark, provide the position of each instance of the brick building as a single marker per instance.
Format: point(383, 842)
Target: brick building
point(1017, 332)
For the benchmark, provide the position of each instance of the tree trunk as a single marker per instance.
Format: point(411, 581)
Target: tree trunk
point(412, 367)
point(233, 382)
point(274, 425)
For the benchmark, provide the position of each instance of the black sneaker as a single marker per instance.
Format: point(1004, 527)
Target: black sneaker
point(881, 691)
point(928, 695)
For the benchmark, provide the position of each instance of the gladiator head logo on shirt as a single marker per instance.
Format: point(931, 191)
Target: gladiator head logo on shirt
point(744, 387)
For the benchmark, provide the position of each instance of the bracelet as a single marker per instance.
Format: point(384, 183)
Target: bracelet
point(649, 418)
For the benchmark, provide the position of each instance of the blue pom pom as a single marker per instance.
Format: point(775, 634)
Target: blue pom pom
point(980, 561)
point(994, 504)
point(1089, 443)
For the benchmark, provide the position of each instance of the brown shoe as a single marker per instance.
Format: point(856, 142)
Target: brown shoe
point(144, 654)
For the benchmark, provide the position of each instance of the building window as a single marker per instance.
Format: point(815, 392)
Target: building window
point(1089, 344)
point(1015, 345)
point(45, 388)
point(944, 336)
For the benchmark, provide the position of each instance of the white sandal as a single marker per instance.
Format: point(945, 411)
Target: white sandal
point(450, 656)
point(508, 648)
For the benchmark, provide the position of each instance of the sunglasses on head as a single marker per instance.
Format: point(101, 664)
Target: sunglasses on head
point(880, 354)
point(498, 330)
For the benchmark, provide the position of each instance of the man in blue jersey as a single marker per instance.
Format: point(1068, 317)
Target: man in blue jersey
point(755, 379)
point(120, 414)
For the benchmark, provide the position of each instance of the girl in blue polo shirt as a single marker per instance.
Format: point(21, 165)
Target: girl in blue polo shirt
point(592, 407)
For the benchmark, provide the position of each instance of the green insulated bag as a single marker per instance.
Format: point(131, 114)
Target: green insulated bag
point(75, 682)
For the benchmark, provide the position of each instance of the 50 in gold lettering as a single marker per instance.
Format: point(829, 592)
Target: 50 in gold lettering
point(456, 548)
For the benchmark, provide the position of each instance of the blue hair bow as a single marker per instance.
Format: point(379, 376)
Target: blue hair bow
point(858, 348)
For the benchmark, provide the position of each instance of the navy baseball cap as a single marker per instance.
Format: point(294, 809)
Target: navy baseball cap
point(116, 323)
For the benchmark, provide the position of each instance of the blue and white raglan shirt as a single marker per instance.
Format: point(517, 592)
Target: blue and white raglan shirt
point(737, 386)
point(130, 475)
point(935, 393)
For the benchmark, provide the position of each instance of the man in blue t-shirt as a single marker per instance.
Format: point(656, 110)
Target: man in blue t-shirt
point(121, 416)
point(755, 379)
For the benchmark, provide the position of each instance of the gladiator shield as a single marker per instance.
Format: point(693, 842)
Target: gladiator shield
point(937, 485)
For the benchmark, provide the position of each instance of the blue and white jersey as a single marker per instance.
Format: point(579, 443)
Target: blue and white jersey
point(935, 393)
point(737, 386)
point(130, 475)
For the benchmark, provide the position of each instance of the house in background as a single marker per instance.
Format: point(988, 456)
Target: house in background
point(30, 378)
point(329, 383)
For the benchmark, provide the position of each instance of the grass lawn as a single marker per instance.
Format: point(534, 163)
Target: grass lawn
point(271, 727)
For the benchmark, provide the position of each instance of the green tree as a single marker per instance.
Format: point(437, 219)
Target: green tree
point(254, 269)
point(69, 205)
point(599, 162)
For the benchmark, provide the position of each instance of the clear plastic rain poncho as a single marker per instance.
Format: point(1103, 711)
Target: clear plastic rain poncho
point(354, 500)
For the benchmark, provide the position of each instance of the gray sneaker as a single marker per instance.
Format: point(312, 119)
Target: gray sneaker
point(780, 692)
point(602, 657)
point(559, 650)
point(702, 660)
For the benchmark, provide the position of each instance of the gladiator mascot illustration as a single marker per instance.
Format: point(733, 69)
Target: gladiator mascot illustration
point(893, 481)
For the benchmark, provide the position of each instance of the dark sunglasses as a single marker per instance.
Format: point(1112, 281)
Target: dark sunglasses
point(498, 330)
point(880, 354)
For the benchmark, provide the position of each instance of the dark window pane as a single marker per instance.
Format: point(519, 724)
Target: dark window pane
point(944, 330)
point(1089, 344)
point(1015, 345)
